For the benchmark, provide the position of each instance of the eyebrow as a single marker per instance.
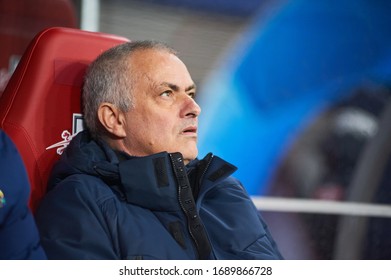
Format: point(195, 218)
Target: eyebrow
point(176, 88)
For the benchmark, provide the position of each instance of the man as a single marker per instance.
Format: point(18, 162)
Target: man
point(130, 186)
point(18, 233)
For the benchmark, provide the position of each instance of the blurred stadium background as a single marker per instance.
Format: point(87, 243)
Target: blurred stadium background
point(294, 92)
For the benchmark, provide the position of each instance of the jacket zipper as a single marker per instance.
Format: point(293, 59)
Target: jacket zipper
point(179, 160)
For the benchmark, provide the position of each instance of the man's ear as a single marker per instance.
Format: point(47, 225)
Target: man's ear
point(112, 119)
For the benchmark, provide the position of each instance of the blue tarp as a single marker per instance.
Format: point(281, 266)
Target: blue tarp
point(286, 70)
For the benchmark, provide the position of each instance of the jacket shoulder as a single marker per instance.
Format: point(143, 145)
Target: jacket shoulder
point(80, 186)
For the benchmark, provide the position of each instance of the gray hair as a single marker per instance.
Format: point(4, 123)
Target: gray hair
point(110, 78)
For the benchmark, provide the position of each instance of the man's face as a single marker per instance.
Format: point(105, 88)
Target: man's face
point(165, 115)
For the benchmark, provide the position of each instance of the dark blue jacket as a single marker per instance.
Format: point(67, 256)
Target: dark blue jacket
point(19, 237)
point(107, 205)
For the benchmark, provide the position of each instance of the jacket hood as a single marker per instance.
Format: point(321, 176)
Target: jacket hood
point(81, 157)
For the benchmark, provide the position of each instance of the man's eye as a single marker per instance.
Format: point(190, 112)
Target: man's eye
point(192, 94)
point(166, 93)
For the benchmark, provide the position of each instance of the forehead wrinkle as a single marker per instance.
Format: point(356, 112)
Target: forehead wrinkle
point(152, 83)
point(155, 84)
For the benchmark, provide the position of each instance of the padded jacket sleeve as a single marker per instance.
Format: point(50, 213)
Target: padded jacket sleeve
point(77, 220)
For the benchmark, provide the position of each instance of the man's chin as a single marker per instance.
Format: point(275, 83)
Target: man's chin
point(187, 157)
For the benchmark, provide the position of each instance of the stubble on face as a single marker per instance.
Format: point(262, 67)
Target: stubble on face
point(154, 124)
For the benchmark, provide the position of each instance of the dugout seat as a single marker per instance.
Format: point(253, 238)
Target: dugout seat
point(21, 20)
point(40, 107)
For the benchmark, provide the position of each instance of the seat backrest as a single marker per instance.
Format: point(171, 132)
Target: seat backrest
point(40, 108)
point(21, 20)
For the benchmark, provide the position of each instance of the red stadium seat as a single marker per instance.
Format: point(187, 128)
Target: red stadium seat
point(21, 20)
point(40, 107)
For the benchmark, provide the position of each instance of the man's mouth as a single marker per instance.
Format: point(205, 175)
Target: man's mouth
point(190, 130)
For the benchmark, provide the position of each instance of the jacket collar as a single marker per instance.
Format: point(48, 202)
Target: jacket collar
point(148, 181)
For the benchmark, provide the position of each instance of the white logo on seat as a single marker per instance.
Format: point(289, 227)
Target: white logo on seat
point(77, 126)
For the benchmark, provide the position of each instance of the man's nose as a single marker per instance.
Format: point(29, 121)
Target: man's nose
point(191, 108)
